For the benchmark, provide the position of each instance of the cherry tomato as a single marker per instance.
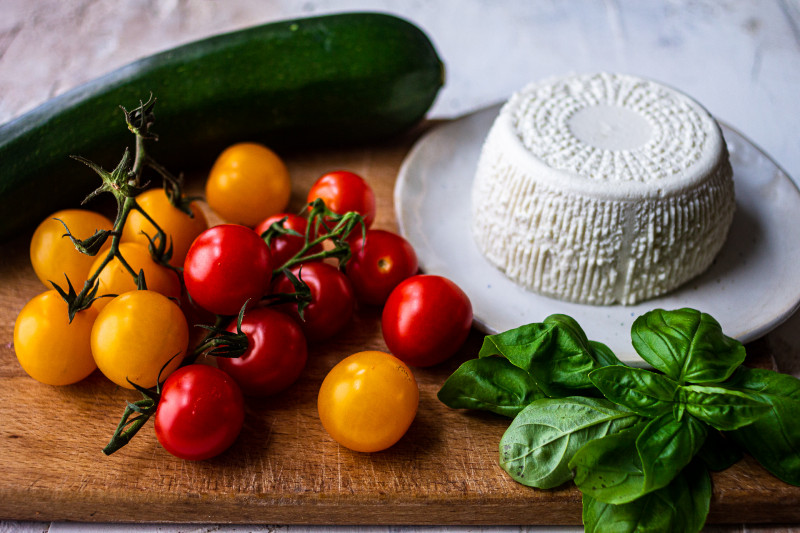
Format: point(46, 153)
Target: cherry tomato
point(275, 357)
point(426, 319)
point(136, 334)
point(248, 183)
point(50, 348)
point(284, 247)
point(379, 263)
point(200, 413)
point(345, 191)
point(332, 300)
point(53, 254)
point(227, 265)
point(116, 279)
point(180, 228)
point(367, 401)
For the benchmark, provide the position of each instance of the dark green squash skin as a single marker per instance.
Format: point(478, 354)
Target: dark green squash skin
point(322, 81)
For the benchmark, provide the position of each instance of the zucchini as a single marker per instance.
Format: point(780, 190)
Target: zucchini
point(328, 80)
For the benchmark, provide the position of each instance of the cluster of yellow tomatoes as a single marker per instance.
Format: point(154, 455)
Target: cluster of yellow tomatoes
point(367, 401)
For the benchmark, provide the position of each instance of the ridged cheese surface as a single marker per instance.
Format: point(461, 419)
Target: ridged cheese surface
point(602, 189)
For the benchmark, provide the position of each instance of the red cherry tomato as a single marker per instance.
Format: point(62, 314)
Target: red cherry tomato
point(378, 264)
point(275, 357)
point(225, 266)
point(426, 319)
point(200, 413)
point(345, 191)
point(284, 247)
point(332, 299)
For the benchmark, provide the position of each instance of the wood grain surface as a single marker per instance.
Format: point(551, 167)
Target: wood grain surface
point(284, 468)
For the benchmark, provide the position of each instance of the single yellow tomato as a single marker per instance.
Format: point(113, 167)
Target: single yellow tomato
point(116, 279)
point(52, 253)
point(50, 348)
point(247, 184)
point(136, 334)
point(180, 228)
point(368, 401)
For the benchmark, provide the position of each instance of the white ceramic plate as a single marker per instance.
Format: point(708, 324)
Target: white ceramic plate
point(753, 285)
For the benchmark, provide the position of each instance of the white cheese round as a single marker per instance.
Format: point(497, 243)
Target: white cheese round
point(602, 189)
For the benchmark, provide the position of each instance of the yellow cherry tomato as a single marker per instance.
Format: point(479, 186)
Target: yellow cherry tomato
point(368, 401)
point(50, 348)
point(116, 279)
point(247, 184)
point(136, 334)
point(53, 254)
point(180, 227)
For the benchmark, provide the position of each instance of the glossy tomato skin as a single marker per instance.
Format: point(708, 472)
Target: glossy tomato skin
point(368, 401)
point(426, 319)
point(49, 347)
point(200, 413)
point(284, 247)
point(137, 336)
point(248, 183)
point(180, 228)
point(116, 279)
point(52, 253)
point(275, 357)
point(225, 266)
point(332, 300)
point(379, 263)
point(345, 191)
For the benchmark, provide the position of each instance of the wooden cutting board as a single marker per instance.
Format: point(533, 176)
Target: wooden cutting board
point(284, 468)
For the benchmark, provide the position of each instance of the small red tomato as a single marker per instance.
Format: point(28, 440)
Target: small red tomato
point(379, 262)
point(200, 413)
point(284, 247)
point(426, 319)
point(332, 299)
point(345, 191)
point(275, 357)
point(225, 266)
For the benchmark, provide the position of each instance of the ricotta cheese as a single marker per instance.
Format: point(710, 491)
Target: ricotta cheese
point(602, 189)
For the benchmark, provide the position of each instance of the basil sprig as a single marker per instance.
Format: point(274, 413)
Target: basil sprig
point(638, 443)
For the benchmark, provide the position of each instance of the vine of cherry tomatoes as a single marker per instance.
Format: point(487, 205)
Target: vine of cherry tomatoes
point(294, 279)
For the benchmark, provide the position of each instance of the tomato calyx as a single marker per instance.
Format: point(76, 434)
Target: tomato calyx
point(136, 413)
point(301, 295)
point(220, 342)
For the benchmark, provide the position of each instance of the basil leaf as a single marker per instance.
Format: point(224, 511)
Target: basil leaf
point(609, 469)
point(721, 407)
point(537, 447)
point(773, 439)
point(603, 354)
point(666, 446)
point(556, 352)
point(686, 345)
point(490, 384)
point(680, 506)
point(643, 392)
point(719, 453)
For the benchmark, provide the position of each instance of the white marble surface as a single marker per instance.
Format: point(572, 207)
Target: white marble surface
point(740, 58)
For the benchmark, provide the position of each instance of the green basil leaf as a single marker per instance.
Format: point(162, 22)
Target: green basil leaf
point(720, 407)
point(643, 392)
point(490, 384)
point(556, 352)
point(603, 354)
point(666, 446)
point(718, 452)
point(537, 447)
point(686, 345)
point(773, 439)
point(680, 506)
point(609, 469)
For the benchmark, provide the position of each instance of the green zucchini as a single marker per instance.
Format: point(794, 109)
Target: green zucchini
point(321, 81)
